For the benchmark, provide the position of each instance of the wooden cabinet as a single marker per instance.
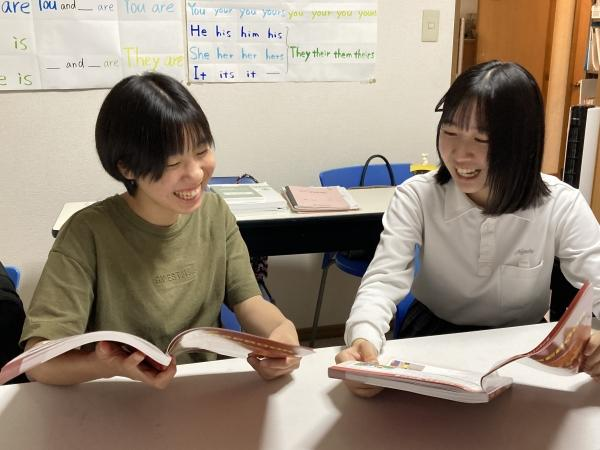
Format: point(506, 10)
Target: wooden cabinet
point(550, 39)
point(469, 53)
point(519, 31)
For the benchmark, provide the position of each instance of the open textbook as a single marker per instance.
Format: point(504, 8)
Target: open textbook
point(217, 340)
point(561, 351)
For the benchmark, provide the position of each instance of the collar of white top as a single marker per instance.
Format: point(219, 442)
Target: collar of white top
point(457, 203)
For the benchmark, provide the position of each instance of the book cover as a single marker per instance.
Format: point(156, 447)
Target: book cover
point(218, 340)
point(561, 351)
point(322, 198)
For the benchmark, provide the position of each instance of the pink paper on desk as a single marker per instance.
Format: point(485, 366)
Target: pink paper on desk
point(317, 197)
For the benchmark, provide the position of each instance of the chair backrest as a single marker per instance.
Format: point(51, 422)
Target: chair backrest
point(228, 319)
point(242, 179)
point(377, 174)
point(562, 292)
point(14, 273)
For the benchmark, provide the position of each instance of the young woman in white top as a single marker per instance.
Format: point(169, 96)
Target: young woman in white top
point(488, 225)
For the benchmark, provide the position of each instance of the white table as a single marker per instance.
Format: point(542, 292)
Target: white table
point(224, 405)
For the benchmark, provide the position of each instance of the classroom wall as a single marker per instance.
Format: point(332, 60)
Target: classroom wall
point(283, 133)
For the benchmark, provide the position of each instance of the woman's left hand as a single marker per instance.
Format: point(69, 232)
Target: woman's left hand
point(271, 368)
point(591, 363)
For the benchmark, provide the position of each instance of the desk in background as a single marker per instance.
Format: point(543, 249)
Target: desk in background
point(288, 233)
point(225, 405)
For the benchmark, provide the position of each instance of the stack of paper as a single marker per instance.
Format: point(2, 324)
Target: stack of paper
point(250, 197)
point(314, 199)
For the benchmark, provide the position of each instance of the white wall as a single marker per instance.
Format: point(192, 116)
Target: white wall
point(282, 133)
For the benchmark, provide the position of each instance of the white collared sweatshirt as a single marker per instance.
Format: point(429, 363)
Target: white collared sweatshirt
point(475, 269)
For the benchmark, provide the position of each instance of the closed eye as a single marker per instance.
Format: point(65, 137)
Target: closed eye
point(202, 151)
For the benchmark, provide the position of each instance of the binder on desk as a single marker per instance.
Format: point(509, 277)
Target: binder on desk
point(250, 197)
point(314, 199)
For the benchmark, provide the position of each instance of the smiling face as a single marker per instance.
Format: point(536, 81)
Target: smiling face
point(490, 137)
point(464, 152)
point(179, 190)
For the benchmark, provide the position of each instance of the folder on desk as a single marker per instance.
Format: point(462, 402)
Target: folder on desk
point(322, 198)
point(250, 197)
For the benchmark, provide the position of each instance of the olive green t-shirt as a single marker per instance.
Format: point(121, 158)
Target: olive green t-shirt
point(111, 270)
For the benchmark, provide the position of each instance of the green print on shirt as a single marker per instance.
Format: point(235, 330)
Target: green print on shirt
point(175, 278)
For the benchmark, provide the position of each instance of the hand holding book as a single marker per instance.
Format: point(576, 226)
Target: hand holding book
point(562, 351)
point(360, 350)
point(218, 340)
point(118, 360)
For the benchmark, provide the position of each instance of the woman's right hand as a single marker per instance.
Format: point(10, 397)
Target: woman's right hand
point(116, 361)
point(360, 350)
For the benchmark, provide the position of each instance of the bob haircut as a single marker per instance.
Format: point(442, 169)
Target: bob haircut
point(143, 121)
point(508, 106)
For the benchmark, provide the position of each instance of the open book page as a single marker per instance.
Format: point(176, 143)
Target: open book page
point(561, 351)
point(47, 350)
point(232, 343)
point(217, 340)
point(329, 198)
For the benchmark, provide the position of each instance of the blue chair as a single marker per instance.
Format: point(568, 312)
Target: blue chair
point(375, 175)
point(14, 273)
point(405, 304)
point(228, 319)
point(242, 179)
point(349, 177)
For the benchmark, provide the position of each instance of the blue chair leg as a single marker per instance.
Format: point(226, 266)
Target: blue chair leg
point(315, 325)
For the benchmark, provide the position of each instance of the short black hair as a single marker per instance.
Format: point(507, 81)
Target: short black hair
point(143, 121)
point(508, 104)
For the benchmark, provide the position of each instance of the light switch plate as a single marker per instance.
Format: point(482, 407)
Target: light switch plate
point(431, 25)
